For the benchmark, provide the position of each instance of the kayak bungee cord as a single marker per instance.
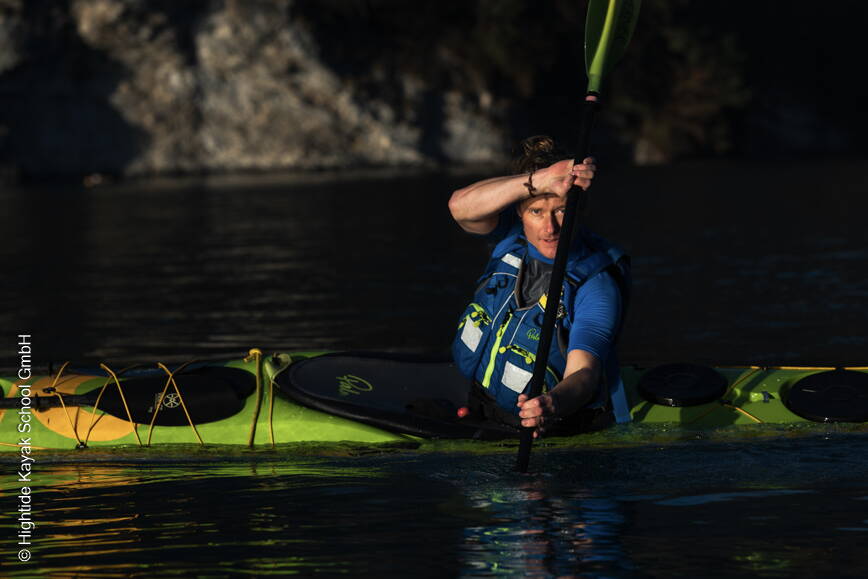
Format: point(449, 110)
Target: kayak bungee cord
point(271, 398)
point(74, 425)
point(159, 404)
point(53, 390)
point(285, 361)
point(737, 382)
point(270, 410)
point(742, 411)
point(62, 392)
point(255, 354)
point(112, 376)
point(852, 368)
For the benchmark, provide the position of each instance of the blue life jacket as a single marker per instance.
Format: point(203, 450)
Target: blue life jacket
point(497, 340)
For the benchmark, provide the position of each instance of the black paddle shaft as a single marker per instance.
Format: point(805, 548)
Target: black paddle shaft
point(553, 298)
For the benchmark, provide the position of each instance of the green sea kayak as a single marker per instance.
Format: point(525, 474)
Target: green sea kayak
point(370, 398)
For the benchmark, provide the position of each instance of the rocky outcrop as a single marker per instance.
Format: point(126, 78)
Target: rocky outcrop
point(135, 88)
point(144, 87)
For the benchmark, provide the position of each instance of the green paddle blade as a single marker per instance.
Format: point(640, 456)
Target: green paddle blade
point(608, 29)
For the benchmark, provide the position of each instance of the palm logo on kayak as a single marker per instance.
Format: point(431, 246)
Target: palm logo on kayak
point(349, 384)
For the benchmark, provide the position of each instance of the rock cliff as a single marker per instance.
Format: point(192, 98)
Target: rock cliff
point(131, 87)
point(145, 87)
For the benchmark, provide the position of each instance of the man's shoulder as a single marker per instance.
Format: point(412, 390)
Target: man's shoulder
point(592, 254)
point(602, 280)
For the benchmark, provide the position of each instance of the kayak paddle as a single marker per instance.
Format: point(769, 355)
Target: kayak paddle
point(608, 28)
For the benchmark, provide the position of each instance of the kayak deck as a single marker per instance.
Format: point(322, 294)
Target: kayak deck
point(761, 394)
point(375, 399)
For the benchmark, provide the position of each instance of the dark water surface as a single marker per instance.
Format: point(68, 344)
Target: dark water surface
point(769, 509)
point(734, 263)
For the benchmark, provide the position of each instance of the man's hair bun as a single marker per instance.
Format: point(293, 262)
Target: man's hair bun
point(537, 152)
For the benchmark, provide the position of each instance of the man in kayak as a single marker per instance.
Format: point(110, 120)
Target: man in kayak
point(498, 333)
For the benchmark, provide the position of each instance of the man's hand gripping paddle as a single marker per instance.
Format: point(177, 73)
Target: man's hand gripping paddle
point(608, 29)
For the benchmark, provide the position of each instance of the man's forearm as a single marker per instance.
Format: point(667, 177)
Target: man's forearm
point(476, 207)
point(575, 391)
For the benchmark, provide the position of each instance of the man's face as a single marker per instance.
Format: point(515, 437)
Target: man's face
point(541, 218)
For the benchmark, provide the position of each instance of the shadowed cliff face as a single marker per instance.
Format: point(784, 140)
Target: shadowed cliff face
point(57, 116)
point(134, 87)
point(137, 87)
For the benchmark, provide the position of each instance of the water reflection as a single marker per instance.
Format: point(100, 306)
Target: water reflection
point(541, 531)
point(761, 508)
point(709, 509)
point(304, 516)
